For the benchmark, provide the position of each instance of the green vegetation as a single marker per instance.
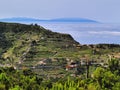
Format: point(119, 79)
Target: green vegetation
point(101, 79)
point(25, 42)
point(33, 58)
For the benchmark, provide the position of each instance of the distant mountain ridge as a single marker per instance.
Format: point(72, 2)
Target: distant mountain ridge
point(19, 19)
point(73, 20)
point(24, 19)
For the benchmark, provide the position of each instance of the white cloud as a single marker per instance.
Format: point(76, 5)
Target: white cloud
point(113, 33)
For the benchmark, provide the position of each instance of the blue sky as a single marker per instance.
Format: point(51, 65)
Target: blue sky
point(100, 10)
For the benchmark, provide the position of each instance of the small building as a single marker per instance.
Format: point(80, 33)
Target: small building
point(83, 61)
point(71, 66)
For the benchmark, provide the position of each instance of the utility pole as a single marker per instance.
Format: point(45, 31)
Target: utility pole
point(87, 67)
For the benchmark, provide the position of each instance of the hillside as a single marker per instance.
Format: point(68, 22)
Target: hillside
point(33, 45)
point(50, 54)
point(29, 44)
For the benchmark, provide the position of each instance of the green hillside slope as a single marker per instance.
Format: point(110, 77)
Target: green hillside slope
point(28, 44)
point(32, 45)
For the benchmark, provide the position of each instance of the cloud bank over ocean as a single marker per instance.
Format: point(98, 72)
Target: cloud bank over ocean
point(88, 33)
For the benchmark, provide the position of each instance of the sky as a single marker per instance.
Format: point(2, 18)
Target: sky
point(99, 10)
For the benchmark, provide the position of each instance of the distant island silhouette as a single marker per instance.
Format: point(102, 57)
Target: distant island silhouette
point(22, 19)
